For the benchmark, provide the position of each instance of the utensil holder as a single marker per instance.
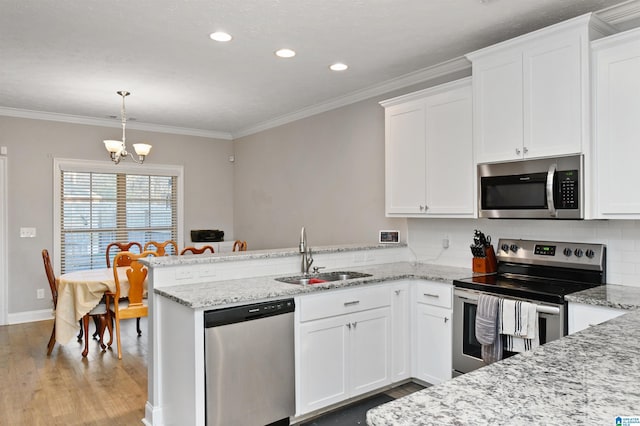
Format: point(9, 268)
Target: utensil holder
point(486, 264)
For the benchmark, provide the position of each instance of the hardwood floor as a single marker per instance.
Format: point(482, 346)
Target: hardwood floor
point(64, 388)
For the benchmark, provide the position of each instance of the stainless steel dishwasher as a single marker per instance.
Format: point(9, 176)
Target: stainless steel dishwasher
point(249, 364)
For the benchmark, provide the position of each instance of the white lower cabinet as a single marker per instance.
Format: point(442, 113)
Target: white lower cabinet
point(400, 331)
point(433, 344)
point(343, 356)
point(353, 341)
point(583, 316)
point(433, 332)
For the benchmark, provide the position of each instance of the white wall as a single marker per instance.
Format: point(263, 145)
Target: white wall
point(324, 172)
point(621, 237)
point(32, 145)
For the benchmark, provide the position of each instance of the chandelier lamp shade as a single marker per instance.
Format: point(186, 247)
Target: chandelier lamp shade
point(118, 149)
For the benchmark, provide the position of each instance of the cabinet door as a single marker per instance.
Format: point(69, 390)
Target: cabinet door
point(404, 157)
point(433, 344)
point(322, 363)
point(449, 153)
point(584, 316)
point(497, 107)
point(370, 355)
point(617, 116)
point(400, 332)
point(553, 100)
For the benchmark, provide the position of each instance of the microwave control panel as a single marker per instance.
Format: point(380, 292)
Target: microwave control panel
point(568, 189)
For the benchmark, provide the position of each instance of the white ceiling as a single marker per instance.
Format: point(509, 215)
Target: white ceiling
point(70, 56)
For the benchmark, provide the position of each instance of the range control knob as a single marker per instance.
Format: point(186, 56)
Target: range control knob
point(505, 248)
point(567, 252)
point(578, 252)
point(590, 253)
point(514, 248)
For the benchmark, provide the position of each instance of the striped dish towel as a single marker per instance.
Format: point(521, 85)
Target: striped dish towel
point(486, 328)
point(529, 341)
point(514, 317)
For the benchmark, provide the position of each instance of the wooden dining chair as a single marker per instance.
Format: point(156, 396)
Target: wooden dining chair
point(125, 260)
point(134, 306)
point(99, 313)
point(195, 250)
point(161, 248)
point(240, 245)
point(122, 247)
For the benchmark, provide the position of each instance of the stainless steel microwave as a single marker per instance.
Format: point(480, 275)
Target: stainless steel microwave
point(550, 188)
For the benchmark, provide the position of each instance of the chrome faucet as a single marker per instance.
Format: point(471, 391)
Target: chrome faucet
point(305, 251)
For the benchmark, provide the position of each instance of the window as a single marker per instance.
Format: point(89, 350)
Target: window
point(98, 204)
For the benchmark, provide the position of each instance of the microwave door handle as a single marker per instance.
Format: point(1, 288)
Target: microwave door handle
point(551, 174)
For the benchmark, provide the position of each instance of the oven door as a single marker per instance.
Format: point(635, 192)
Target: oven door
point(466, 349)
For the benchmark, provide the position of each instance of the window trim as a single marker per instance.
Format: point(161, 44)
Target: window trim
point(75, 165)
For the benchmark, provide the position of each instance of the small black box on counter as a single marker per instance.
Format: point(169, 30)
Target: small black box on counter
point(206, 235)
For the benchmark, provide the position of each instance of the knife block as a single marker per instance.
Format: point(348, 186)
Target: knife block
point(485, 264)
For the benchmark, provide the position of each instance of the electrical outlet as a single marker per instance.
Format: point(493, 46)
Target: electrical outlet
point(445, 242)
point(27, 232)
point(40, 293)
point(184, 274)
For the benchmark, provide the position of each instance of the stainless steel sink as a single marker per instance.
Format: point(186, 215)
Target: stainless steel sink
point(322, 277)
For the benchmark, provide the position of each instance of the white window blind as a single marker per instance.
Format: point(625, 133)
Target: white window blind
point(98, 208)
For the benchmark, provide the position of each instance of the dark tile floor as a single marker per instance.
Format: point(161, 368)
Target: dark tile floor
point(355, 414)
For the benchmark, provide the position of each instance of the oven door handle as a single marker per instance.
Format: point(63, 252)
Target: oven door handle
point(473, 297)
point(551, 175)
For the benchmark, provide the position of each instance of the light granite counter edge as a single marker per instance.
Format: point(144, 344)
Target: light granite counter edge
point(610, 296)
point(166, 261)
point(216, 294)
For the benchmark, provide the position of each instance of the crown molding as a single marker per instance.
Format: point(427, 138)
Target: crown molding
point(420, 76)
point(619, 13)
point(104, 122)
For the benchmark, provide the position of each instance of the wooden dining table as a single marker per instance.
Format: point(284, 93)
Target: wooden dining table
point(81, 291)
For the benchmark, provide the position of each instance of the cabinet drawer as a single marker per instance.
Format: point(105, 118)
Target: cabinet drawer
point(434, 293)
point(343, 302)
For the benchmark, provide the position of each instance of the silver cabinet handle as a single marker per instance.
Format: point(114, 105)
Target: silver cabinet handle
point(517, 151)
point(432, 295)
point(398, 292)
point(348, 324)
point(354, 302)
point(446, 319)
point(354, 324)
point(525, 150)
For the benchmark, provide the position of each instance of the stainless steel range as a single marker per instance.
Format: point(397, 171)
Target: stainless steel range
point(542, 272)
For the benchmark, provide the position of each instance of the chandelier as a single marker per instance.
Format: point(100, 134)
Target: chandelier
point(118, 149)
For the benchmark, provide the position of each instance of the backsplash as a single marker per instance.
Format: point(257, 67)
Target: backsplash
point(622, 238)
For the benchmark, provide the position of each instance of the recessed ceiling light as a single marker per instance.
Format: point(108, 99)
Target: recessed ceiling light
point(285, 53)
point(220, 36)
point(338, 66)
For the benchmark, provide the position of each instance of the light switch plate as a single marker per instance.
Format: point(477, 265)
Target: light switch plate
point(27, 232)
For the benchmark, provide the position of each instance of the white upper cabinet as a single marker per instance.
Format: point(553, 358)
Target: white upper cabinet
point(616, 70)
point(429, 152)
point(531, 93)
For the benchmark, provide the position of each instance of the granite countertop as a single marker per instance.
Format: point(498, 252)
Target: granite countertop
point(164, 261)
point(587, 378)
point(610, 296)
point(218, 293)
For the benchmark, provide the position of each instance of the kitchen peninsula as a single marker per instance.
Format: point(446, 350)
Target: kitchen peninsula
point(182, 288)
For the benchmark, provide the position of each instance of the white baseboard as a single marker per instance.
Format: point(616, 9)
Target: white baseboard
point(29, 316)
point(153, 415)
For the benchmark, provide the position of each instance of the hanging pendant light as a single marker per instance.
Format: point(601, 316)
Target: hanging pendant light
point(118, 149)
